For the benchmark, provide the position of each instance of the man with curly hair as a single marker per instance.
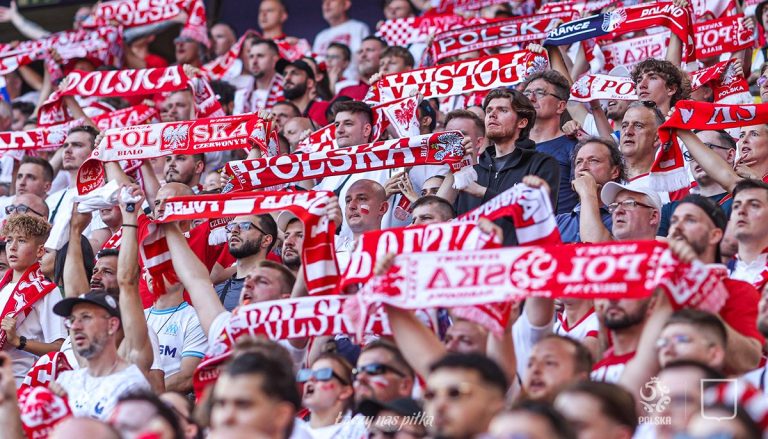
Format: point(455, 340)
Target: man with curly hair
point(30, 327)
point(661, 82)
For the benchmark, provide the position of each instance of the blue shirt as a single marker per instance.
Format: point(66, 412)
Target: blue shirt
point(561, 148)
point(568, 224)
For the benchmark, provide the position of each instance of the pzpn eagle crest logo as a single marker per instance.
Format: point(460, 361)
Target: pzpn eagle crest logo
point(175, 137)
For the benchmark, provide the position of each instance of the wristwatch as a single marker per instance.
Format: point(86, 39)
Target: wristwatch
point(22, 343)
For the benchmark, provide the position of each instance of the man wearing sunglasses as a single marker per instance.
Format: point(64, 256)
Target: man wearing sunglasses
point(249, 239)
point(382, 373)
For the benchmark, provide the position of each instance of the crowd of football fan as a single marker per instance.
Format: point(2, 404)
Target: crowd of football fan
point(561, 369)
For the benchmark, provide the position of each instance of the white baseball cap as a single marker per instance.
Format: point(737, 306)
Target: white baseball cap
point(612, 189)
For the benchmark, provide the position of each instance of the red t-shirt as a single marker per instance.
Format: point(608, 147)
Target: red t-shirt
point(356, 92)
point(740, 310)
point(610, 368)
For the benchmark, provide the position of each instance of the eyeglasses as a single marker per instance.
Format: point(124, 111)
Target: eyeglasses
point(540, 94)
point(244, 226)
point(450, 392)
point(324, 374)
point(676, 339)
point(627, 205)
point(70, 321)
point(375, 369)
point(761, 81)
point(687, 155)
point(21, 208)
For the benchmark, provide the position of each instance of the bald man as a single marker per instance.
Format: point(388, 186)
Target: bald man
point(365, 206)
point(223, 37)
point(27, 203)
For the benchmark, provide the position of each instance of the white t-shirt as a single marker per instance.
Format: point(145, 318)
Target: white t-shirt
point(96, 397)
point(179, 333)
point(349, 33)
point(758, 378)
point(217, 327)
point(60, 203)
point(525, 335)
point(349, 428)
point(41, 324)
point(66, 348)
point(588, 326)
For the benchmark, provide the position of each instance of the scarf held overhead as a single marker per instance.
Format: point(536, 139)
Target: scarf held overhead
point(429, 149)
point(318, 255)
point(161, 139)
point(668, 171)
point(460, 77)
point(508, 32)
point(604, 87)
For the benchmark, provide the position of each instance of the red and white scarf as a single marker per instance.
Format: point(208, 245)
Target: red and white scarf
point(133, 13)
point(530, 210)
point(100, 46)
point(402, 115)
point(579, 6)
point(627, 270)
point(129, 82)
point(136, 115)
point(668, 170)
point(219, 66)
point(318, 253)
point(497, 33)
point(594, 87)
point(45, 370)
point(631, 51)
point(722, 35)
point(709, 9)
point(727, 83)
point(274, 95)
point(32, 287)
point(114, 240)
point(162, 139)
point(442, 148)
point(457, 78)
point(468, 5)
point(314, 316)
point(41, 410)
point(405, 31)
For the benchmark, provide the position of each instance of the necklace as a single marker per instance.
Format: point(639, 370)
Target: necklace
point(166, 320)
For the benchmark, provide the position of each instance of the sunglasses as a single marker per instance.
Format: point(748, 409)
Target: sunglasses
point(375, 369)
point(21, 208)
point(761, 81)
point(244, 226)
point(324, 374)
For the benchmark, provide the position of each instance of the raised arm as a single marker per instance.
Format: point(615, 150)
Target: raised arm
point(75, 277)
point(136, 344)
point(717, 168)
point(194, 276)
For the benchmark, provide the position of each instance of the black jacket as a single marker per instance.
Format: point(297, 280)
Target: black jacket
point(521, 162)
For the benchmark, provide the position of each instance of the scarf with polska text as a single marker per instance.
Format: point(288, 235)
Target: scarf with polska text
point(102, 46)
point(30, 289)
point(443, 148)
point(531, 212)
point(668, 171)
point(631, 51)
point(401, 115)
point(314, 316)
point(480, 74)
point(578, 6)
point(497, 33)
point(726, 82)
point(129, 82)
point(629, 19)
point(603, 87)
point(318, 253)
point(722, 35)
point(627, 270)
point(162, 139)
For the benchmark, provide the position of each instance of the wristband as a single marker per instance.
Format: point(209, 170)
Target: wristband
point(131, 225)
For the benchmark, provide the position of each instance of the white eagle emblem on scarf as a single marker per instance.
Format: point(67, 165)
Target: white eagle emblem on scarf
point(175, 137)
